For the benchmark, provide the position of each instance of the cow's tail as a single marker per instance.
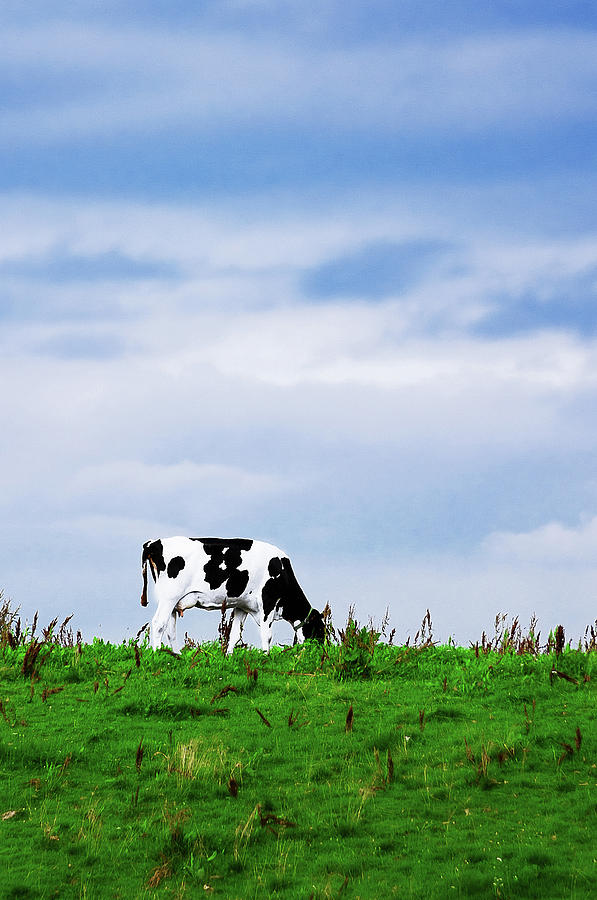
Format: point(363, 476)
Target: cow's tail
point(144, 591)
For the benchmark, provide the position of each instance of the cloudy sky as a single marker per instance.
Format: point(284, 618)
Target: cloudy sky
point(322, 273)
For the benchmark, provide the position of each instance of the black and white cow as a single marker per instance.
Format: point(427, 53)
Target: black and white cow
point(250, 577)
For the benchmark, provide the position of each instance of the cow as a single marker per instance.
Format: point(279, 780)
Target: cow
point(249, 577)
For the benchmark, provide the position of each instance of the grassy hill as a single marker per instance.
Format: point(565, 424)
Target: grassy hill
point(360, 769)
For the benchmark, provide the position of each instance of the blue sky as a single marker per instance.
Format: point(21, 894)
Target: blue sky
point(319, 273)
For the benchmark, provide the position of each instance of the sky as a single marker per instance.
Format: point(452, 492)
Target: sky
point(318, 273)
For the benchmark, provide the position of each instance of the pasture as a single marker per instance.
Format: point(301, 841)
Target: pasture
point(357, 769)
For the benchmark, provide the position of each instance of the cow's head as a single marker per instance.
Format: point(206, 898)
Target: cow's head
point(314, 627)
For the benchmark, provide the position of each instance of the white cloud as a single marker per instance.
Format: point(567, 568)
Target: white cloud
point(247, 238)
point(550, 545)
point(241, 257)
point(213, 488)
point(234, 337)
point(361, 345)
point(141, 78)
point(236, 316)
point(227, 238)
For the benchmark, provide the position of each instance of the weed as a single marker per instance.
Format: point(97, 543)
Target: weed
point(527, 721)
point(357, 648)
point(424, 636)
point(263, 718)
point(590, 637)
point(233, 786)
point(198, 759)
point(47, 692)
point(268, 820)
point(390, 767)
point(243, 834)
point(577, 738)
point(32, 661)
point(560, 640)
point(568, 751)
point(224, 629)
point(4, 712)
point(91, 829)
point(223, 692)
point(159, 874)
point(558, 674)
point(10, 624)
point(349, 719)
point(251, 673)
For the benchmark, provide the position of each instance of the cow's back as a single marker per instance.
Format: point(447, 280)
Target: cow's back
point(224, 567)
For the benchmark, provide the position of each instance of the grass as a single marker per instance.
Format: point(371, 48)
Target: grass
point(364, 770)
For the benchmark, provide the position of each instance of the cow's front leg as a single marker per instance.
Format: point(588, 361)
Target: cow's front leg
point(236, 628)
point(265, 628)
point(163, 627)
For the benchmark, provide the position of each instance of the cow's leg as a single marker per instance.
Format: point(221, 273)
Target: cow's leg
point(265, 629)
point(163, 625)
point(236, 629)
point(171, 629)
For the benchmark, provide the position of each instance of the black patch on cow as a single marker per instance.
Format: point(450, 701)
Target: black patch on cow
point(240, 543)
point(274, 587)
point(237, 583)
point(154, 551)
point(224, 564)
point(175, 566)
point(283, 590)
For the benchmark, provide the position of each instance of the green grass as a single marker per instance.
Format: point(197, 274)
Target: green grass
point(464, 773)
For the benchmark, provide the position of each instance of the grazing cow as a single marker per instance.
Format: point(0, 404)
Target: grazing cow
point(249, 577)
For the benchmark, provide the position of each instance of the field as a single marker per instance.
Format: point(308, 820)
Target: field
point(360, 769)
